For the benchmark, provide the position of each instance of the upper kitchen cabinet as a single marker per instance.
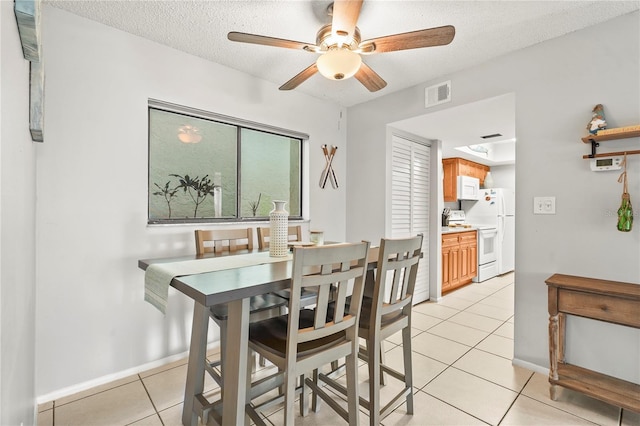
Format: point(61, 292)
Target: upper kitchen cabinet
point(454, 167)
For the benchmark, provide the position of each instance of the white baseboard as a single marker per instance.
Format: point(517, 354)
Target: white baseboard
point(530, 366)
point(70, 390)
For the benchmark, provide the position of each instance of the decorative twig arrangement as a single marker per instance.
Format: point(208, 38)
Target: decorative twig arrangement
point(197, 189)
point(328, 173)
point(255, 204)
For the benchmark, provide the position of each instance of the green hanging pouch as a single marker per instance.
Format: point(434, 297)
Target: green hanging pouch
point(625, 212)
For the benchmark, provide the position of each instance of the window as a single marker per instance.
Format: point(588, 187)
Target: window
point(205, 167)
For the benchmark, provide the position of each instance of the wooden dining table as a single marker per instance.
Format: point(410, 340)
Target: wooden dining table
point(234, 287)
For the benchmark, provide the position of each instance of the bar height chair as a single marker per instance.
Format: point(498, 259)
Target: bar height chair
point(306, 339)
point(261, 307)
point(386, 312)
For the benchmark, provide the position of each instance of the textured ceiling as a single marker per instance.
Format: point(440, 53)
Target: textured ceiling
point(484, 30)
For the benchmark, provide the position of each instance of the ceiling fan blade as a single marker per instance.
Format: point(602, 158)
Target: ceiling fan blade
point(345, 16)
point(270, 41)
point(439, 36)
point(300, 78)
point(369, 78)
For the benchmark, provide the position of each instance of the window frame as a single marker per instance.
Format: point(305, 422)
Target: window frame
point(240, 124)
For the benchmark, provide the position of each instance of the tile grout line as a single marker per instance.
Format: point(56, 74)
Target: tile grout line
point(558, 408)
point(453, 406)
point(151, 400)
point(422, 389)
point(515, 399)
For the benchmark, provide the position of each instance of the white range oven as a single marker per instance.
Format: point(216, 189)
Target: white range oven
point(487, 245)
point(487, 256)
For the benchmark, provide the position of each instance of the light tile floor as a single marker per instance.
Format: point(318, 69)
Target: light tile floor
point(462, 351)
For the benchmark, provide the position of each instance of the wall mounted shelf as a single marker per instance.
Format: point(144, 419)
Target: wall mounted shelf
point(594, 140)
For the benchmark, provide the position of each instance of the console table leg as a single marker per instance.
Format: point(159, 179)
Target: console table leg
point(562, 326)
point(553, 354)
point(552, 392)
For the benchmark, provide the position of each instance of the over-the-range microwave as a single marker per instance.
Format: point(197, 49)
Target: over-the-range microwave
point(468, 188)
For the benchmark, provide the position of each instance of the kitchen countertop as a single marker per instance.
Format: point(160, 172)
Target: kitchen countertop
point(452, 230)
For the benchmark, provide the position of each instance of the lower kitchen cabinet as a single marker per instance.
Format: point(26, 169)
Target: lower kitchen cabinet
point(459, 259)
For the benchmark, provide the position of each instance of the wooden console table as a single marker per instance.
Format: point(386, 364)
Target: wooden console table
point(609, 301)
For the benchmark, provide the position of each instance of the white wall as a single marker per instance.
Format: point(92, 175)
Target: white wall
point(17, 230)
point(556, 83)
point(504, 176)
point(92, 323)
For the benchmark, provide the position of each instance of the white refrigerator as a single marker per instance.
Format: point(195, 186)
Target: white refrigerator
point(496, 207)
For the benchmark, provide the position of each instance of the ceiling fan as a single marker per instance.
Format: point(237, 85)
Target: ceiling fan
point(340, 47)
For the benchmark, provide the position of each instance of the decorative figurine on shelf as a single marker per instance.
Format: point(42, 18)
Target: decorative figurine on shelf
point(597, 120)
point(625, 212)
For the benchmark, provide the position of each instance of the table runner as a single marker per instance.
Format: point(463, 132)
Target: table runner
point(158, 276)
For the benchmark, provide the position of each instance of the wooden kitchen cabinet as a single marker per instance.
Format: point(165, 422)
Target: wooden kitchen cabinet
point(450, 181)
point(450, 261)
point(468, 255)
point(454, 167)
point(459, 259)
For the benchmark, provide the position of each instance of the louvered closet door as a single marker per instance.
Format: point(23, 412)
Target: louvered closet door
point(410, 176)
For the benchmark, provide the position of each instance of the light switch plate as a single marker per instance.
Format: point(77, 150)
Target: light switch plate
point(544, 205)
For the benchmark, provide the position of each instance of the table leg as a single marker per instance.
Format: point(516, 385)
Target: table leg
point(195, 368)
point(553, 354)
point(235, 368)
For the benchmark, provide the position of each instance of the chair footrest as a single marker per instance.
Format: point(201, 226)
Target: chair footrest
point(204, 408)
point(394, 403)
point(261, 387)
point(390, 371)
point(211, 368)
point(326, 398)
point(339, 388)
point(384, 411)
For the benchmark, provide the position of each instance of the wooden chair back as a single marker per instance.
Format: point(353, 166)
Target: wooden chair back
point(306, 339)
point(388, 307)
point(294, 234)
point(329, 269)
point(220, 240)
point(395, 278)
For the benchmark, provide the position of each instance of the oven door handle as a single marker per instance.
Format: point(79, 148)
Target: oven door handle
point(488, 232)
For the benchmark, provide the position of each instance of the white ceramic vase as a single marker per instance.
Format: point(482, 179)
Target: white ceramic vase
point(488, 181)
point(279, 230)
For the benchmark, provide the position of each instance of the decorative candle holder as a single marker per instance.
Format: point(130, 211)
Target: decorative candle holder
point(316, 237)
point(279, 230)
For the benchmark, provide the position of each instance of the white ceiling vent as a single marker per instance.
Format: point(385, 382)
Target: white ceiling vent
point(437, 94)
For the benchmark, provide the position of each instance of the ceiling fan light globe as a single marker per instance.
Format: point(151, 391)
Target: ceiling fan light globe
point(189, 137)
point(339, 64)
point(189, 134)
